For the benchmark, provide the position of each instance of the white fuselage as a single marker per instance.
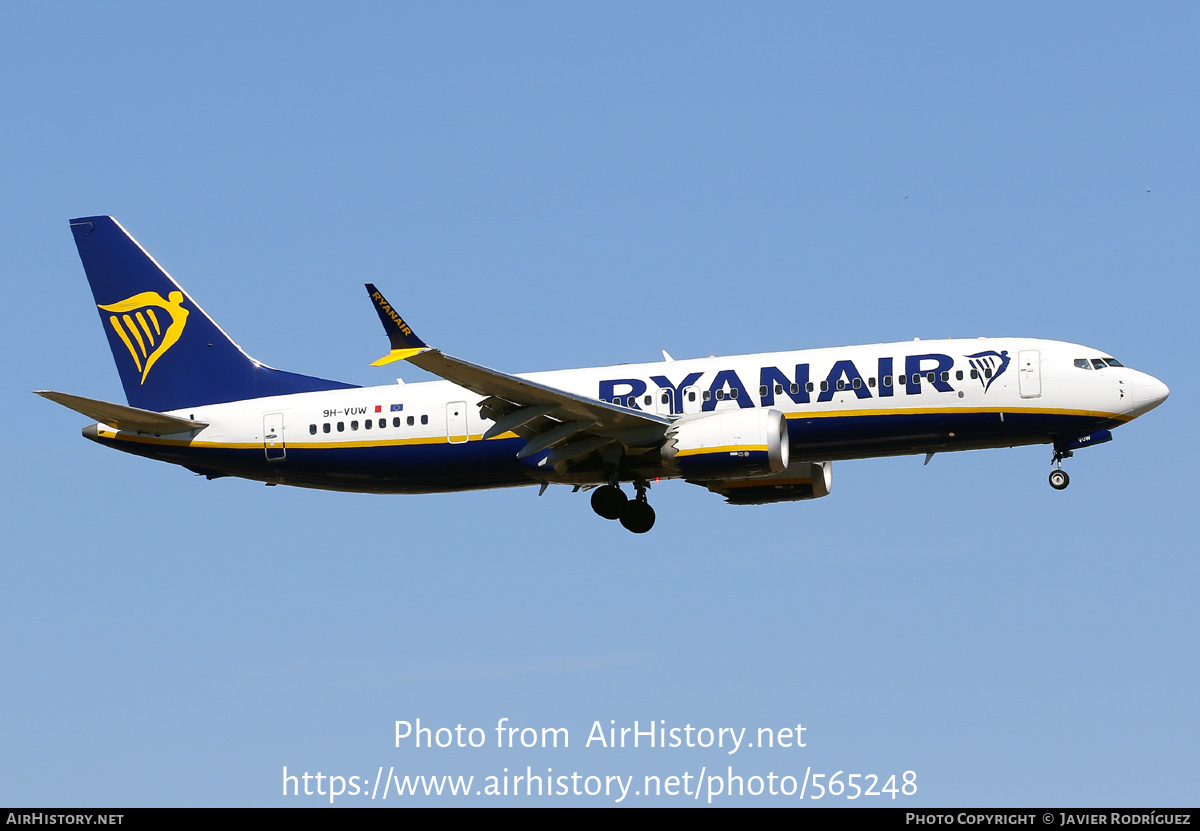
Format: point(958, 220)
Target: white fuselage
point(840, 403)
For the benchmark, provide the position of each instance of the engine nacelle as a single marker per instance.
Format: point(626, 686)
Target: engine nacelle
point(728, 444)
point(801, 480)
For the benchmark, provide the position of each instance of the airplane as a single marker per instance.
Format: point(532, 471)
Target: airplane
point(755, 429)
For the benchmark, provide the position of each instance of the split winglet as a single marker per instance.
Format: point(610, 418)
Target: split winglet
point(404, 343)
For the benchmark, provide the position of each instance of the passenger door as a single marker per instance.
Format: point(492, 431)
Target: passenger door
point(273, 444)
point(456, 422)
point(1029, 367)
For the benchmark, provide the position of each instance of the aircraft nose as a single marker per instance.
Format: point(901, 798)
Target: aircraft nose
point(1148, 392)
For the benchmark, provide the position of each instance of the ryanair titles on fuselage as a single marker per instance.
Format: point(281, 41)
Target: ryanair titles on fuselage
point(799, 383)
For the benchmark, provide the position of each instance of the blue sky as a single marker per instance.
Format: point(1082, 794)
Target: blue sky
point(543, 186)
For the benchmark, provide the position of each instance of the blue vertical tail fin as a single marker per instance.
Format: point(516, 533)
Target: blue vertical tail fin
point(170, 354)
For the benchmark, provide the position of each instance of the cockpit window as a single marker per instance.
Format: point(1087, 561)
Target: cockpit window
point(1082, 363)
point(1097, 363)
point(1113, 362)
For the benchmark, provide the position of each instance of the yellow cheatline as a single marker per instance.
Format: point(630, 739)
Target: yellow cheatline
point(955, 411)
point(141, 438)
point(733, 448)
point(397, 355)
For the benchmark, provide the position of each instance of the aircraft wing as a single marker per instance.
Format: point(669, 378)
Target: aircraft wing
point(546, 416)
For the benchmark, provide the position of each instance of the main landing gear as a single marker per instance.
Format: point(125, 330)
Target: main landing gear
point(1058, 477)
point(610, 502)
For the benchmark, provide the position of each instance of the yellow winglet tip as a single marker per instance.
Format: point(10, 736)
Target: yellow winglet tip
point(397, 355)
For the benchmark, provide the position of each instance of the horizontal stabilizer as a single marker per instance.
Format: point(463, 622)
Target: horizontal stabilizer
point(121, 417)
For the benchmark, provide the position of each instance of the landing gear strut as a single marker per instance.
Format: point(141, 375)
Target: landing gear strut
point(636, 515)
point(1058, 477)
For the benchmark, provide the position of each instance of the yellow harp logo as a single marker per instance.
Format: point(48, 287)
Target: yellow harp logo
point(139, 327)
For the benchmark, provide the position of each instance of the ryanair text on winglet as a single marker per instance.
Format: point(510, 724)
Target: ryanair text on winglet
point(391, 313)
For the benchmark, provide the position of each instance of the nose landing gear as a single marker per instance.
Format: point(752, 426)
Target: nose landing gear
point(636, 515)
point(1058, 477)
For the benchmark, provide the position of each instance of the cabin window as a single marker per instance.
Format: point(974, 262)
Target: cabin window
point(368, 424)
point(945, 376)
point(325, 427)
point(396, 421)
point(411, 421)
point(1109, 361)
point(1097, 363)
point(707, 394)
point(841, 385)
point(648, 400)
point(382, 423)
point(762, 390)
point(809, 386)
point(958, 375)
point(931, 377)
point(312, 429)
point(666, 398)
point(692, 395)
point(354, 425)
point(779, 389)
point(974, 374)
point(824, 386)
point(424, 419)
point(631, 401)
point(794, 389)
point(887, 380)
point(871, 382)
point(733, 393)
point(856, 383)
point(341, 426)
point(916, 378)
point(720, 394)
point(987, 372)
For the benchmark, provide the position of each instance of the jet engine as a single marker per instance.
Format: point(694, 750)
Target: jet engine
point(728, 444)
point(801, 480)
